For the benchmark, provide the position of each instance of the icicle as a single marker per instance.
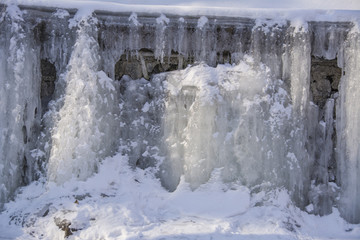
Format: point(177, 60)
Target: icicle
point(322, 194)
point(205, 42)
point(327, 39)
point(57, 49)
point(134, 34)
point(348, 130)
point(161, 37)
point(265, 47)
point(300, 69)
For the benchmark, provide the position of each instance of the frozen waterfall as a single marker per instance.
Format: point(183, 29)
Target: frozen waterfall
point(348, 113)
point(183, 96)
point(87, 115)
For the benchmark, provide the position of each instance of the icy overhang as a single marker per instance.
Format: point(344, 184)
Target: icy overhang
point(151, 39)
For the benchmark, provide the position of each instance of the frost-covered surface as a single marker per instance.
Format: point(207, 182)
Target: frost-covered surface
point(120, 203)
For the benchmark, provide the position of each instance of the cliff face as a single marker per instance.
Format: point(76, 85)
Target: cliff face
point(280, 114)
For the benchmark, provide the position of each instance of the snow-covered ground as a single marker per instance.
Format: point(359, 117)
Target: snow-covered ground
point(121, 203)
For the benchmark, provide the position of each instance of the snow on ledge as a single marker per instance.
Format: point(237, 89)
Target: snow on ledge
point(307, 10)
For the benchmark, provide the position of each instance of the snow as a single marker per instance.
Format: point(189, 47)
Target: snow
point(202, 21)
point(124, 203)
point(133, 19)
point(310, 10)
point(61, 13)
point(121, 203)
point(162, 20)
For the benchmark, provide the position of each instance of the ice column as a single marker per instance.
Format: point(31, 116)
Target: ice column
point(85, 129)
point(348, 129)
point(19, 101)
point(161, 37)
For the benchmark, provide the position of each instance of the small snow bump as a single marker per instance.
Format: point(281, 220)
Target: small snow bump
point(146, 107)
point(162, 20)
point(134, 20)
point(202, 22)
point(61, 13)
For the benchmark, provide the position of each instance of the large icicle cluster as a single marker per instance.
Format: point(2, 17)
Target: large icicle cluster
point(348, 128)
point(85, 126)
point(19, 101)
point(237, 101)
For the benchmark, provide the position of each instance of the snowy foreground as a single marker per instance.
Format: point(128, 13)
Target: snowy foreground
point(120, 203)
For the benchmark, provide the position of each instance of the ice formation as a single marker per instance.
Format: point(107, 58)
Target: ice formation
point(348, 112)
point(19, 102)
point(88, 114)
point(230, 95)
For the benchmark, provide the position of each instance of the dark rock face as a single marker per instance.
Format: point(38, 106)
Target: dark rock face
point(48, 77)
point(144, 63)
point(40, 32)
point(64, 225)
point(325, 78)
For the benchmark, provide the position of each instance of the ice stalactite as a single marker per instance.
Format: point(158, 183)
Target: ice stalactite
point(348, 129)
point(19, 101)
point(85, 129)
point(57, 39)
point(327, 39)
point(161, 36)
point(266, 39)
point(322, 193)
point(299, 73)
